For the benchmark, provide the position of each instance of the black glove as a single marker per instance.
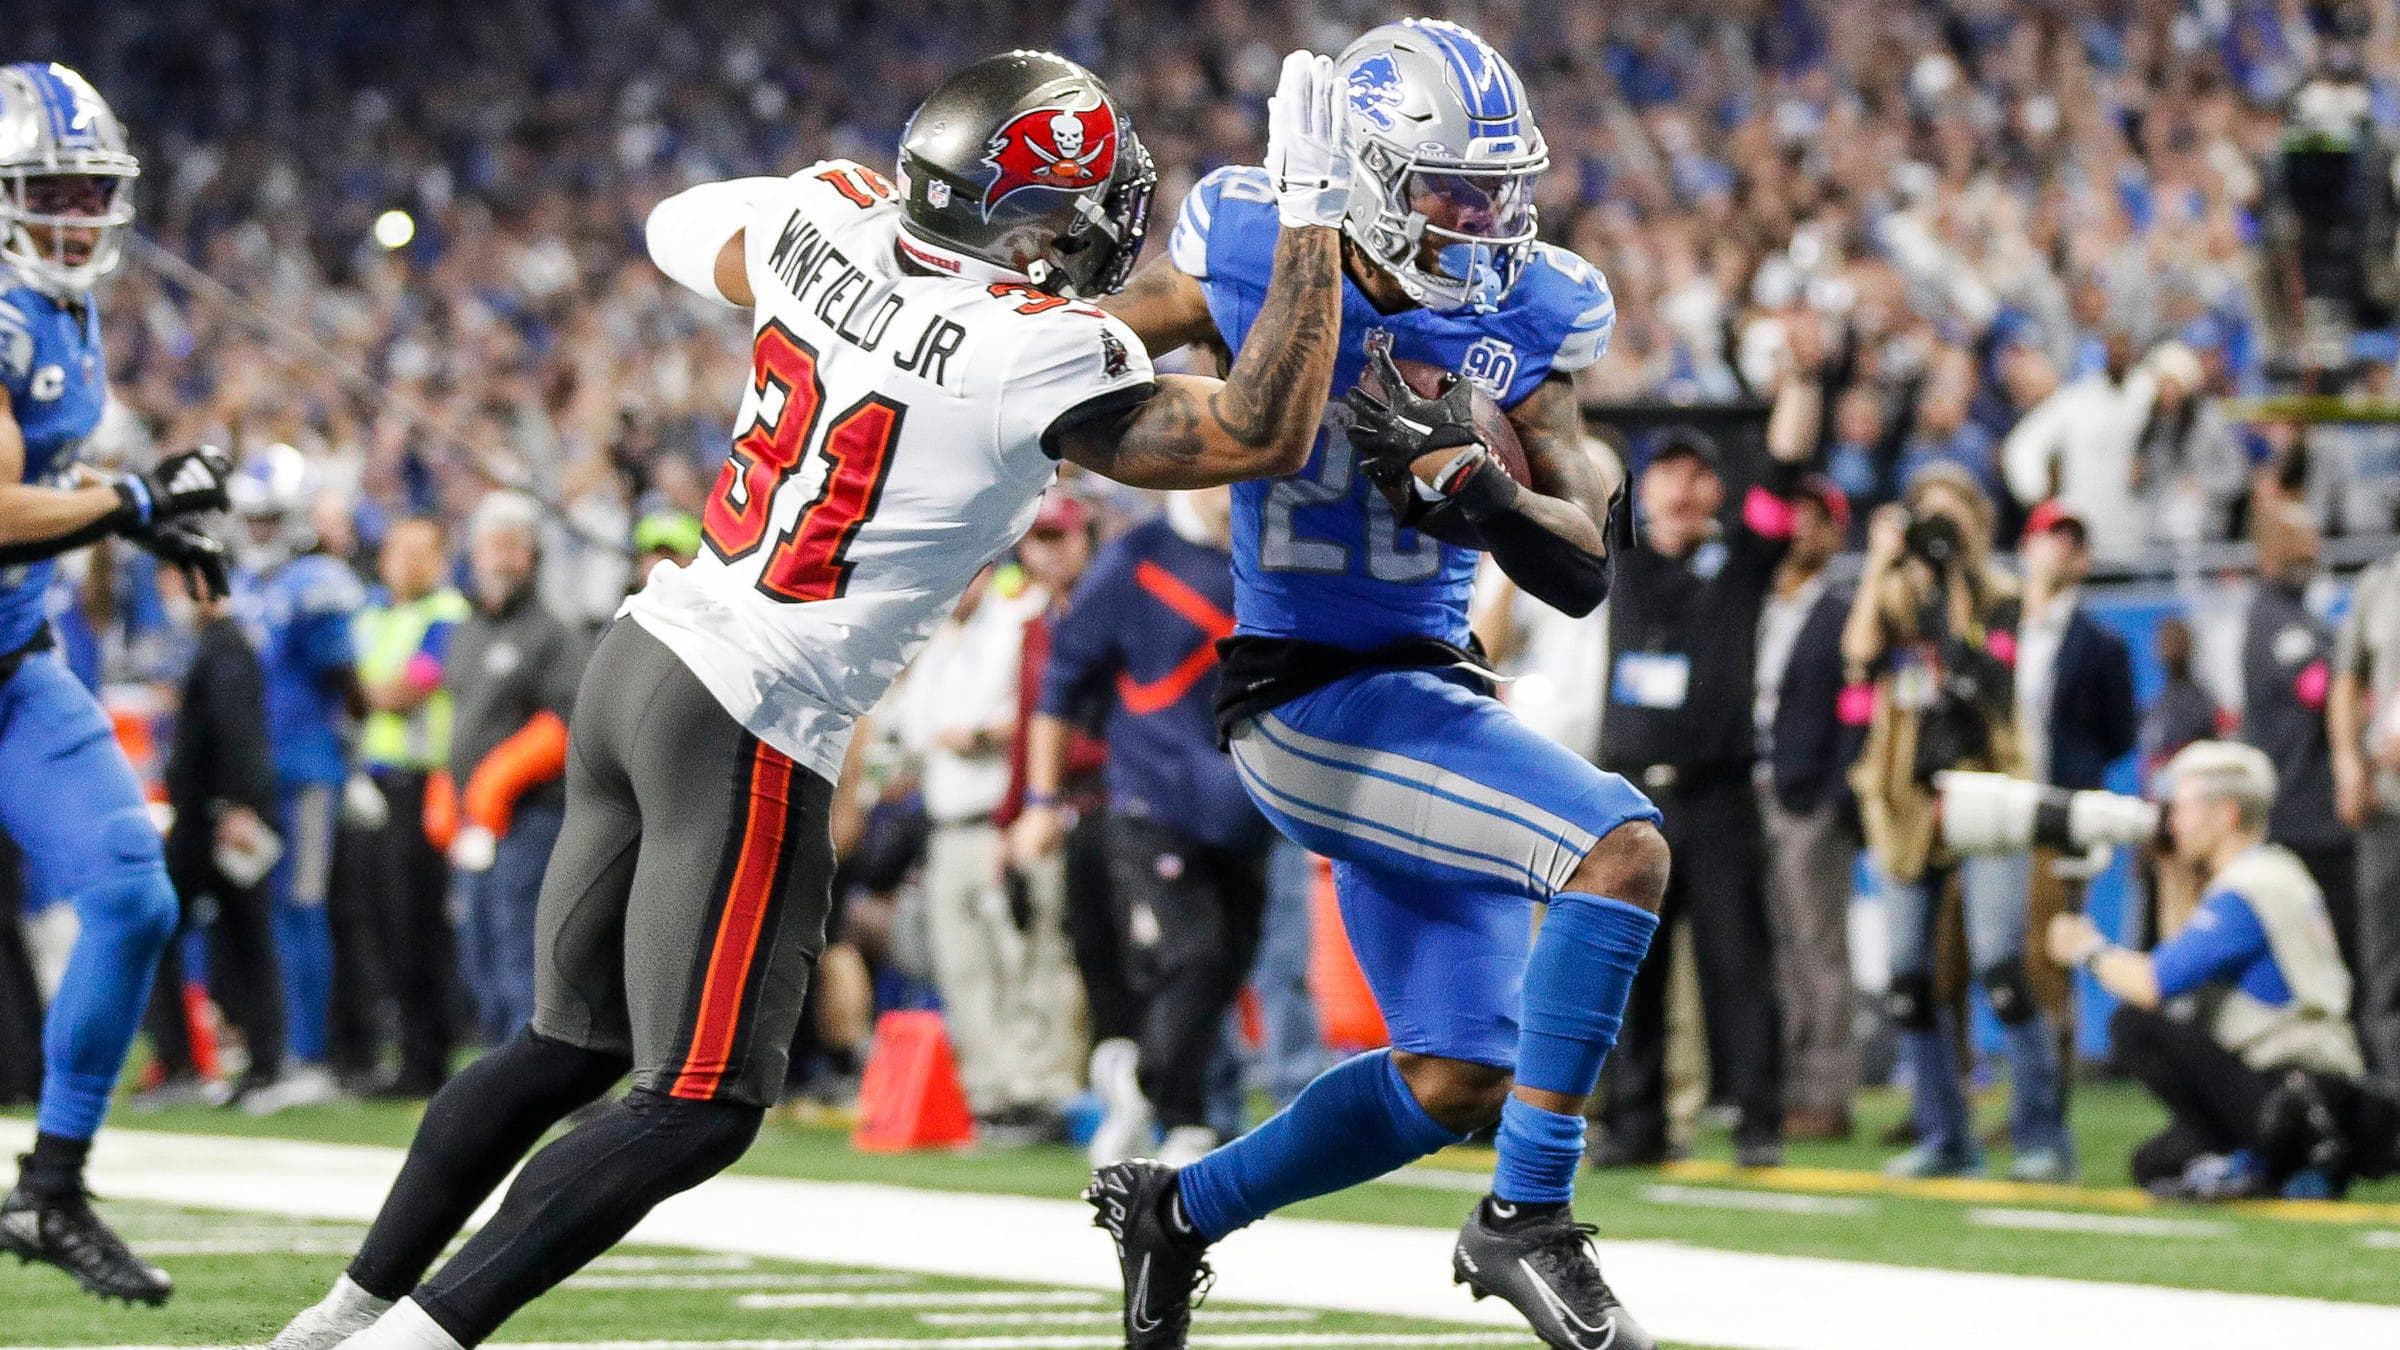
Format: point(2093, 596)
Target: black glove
point(199, 557)
point(179, 485)
point(1391, 433)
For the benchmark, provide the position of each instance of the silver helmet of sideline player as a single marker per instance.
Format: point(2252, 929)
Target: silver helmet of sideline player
point(1023, 162)
point(269, 493)
point(1447, 153)
point(66, 178)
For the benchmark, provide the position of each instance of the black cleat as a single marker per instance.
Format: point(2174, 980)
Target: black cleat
point(1161, 1260)
point(1545, 1270)
point(62, 1231)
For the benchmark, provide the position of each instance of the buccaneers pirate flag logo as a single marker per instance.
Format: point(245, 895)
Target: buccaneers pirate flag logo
point(1069, 149)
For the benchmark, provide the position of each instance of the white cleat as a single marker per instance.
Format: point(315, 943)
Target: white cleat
point(1125, 1119)
point(322, 1325)
point(301, 1085)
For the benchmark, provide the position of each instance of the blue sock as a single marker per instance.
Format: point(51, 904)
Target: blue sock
point(1576, 984)
point(1539, 1152)
point(1357, 1121)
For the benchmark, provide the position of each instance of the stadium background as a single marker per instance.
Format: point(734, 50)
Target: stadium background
point(1958, 178)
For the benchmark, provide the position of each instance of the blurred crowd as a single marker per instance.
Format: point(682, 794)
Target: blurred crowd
point(2046, 238)
point(2031, 266)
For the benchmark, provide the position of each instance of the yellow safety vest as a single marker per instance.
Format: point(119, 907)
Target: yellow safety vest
point(388, 638)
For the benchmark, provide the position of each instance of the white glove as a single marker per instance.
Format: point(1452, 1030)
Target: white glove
point(473, 849)
point(363, 803)
point(1308, 142)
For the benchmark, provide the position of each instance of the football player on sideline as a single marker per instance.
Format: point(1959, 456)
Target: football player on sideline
point(1369, 735)
point(67, 795)
point(924, 356)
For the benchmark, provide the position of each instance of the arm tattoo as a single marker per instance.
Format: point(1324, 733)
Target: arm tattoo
point(1264, 415)
point(1549, 424)
point(1163, 306)
point(1569, 496)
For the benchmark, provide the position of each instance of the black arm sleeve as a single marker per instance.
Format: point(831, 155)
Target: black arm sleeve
point(1549, 568)
point(42, 550)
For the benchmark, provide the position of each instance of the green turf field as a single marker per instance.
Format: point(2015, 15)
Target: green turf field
point(240, 1276)
point(1828, 1203)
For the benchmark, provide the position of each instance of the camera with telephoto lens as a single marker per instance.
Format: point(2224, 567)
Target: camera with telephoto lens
point(1994, 813)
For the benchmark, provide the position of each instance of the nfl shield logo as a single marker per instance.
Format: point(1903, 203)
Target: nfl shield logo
point(937, 194)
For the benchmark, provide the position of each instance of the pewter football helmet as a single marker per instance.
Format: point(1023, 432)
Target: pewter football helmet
point(1447, 154)
point(1024, 156)
point(63, 168)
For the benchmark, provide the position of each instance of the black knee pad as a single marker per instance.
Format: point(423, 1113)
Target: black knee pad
point(1909, 1002)
point(2011, 993)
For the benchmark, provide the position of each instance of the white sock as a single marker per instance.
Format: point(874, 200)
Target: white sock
point(405, 1327)
point(348, 1301)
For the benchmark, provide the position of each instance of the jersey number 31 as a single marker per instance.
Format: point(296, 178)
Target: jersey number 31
point(809, 561)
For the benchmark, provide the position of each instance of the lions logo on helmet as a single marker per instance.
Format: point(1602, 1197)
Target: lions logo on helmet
point(1375, 90)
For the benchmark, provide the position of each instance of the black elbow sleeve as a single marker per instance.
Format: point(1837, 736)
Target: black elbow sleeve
point(1548, 568)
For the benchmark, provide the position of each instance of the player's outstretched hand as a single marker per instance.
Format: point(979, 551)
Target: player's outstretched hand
point(1308, 142)
point(179, 485)
point(200, 558)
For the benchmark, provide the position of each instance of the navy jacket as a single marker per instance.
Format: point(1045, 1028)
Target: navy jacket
point(1140, 632)
point(2093, 720)
point(1809, 747)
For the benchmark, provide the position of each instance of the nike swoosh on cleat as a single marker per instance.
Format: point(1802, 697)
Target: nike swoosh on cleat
point(1137, 1308)
point(1575, 1327)
point(1503, 1211)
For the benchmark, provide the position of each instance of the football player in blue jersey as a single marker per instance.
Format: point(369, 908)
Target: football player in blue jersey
point(1366, 730)
point(67, 795)
point(298, 604)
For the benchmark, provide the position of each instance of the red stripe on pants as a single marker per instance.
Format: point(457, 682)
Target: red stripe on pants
point(738, 926)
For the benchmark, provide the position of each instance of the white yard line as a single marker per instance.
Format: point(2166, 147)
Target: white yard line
point(1743, 1300)
point(1294, 1340)
point(295, 1245)
point(2380, 1237)
point(757, 1279)
point(1438, 1179)
point(1764, 1202)
point(2108, 1225)
point(923, 1298)
point(1213, 1317)
point(1201, 1339)
point(650, 1264)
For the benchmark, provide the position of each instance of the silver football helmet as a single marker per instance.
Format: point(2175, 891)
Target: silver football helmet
point(66, 179)
point(1447, 154)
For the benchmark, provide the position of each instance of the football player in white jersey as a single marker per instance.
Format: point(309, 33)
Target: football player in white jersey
point(925, 354)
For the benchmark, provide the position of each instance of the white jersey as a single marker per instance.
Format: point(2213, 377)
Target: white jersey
point(890, 445)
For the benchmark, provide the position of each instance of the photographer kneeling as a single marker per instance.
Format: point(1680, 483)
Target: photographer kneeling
point(2240, 1023)
point(1931, 631)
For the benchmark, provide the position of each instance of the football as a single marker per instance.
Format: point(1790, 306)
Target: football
point(1491, 424)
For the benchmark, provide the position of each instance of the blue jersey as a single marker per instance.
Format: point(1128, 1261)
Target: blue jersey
point(299, 616)
point(1319, 555)
point(2223, 942)
point(57, 386)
